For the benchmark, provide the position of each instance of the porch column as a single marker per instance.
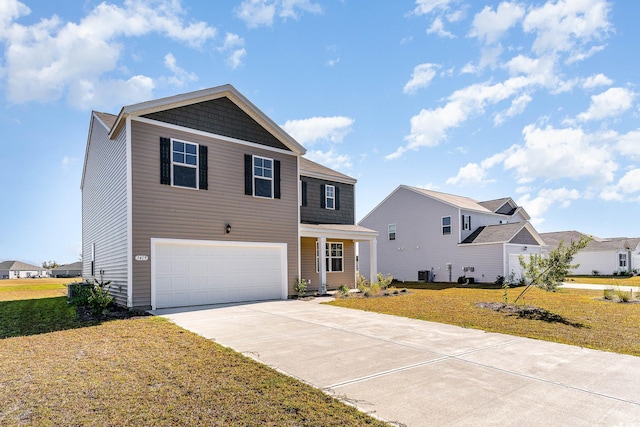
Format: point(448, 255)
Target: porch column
point(373, 260)
point(322, 248)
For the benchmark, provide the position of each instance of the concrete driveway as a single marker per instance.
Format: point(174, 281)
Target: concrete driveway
point(417, 373)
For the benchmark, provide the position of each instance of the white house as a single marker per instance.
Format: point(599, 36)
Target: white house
point(20, 270)
point(604, 255)
point(428, 235)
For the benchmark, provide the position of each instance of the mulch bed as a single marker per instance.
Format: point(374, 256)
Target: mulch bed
point(527, 312)
point(116, 312)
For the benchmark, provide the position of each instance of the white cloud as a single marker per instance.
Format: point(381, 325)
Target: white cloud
point(257, 13)
point(613, 102)
point(471, 174)
point(261, 13)
point(536, 207)
point(596, 80)
point(627, 188)
point(567, 25)
point(421, 77)
point(518, 105)
point(629, 144)
point(52, 59)
point(234, 46)
point(425, 7)
point(67, 161)
point(333, 62)
point(330, 159)
point(437, 27)
point(550, 154)
point(489, 26)
point(314, 129)
point(180, 76)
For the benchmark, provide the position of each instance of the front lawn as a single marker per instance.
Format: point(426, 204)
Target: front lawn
point(580, 318)
point(142, 371)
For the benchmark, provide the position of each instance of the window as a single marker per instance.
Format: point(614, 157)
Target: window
point(262, 177)
point(623, 260)
point(334, 257)
point(392, 232)
point(330, 196)
point(184, 164)
point(446, 225)
point(466, 222)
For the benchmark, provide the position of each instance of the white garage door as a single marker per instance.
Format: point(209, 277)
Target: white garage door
point(188, 272)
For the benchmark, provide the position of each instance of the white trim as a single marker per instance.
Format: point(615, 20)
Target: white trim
point(318, 260)
point(254, 176)
point(308, 230)
point(212, 135)
point(327, 177)
point(327, 198)
point(442, 226)
point(395, 229)
point(284, 289)
point(299, 241)
point(183, 164)
point(129, 215)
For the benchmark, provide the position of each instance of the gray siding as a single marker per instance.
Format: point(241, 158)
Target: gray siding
point(524, 238)
point(314, 213)
point(163, 211)
point(104, 210)
point(219, 116)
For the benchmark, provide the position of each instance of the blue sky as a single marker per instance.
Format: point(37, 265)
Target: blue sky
point(533, 100)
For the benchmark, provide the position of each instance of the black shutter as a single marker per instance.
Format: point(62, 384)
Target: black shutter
point(204, 168)
point(248, 175)
point(276, 179)
point(165, 161)
point(336, 193)
point(463, 224)
point(322, 197)
point(469, 222)
point(304, 193)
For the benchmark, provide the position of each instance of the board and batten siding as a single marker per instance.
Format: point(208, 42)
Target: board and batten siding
point(164, 211)
point(334, 279)
point(104, 210)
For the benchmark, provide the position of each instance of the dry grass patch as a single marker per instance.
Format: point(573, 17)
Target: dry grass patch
point(148, 371)
point(576, 316)
point(22, 289)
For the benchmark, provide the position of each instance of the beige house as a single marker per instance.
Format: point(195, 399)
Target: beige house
point(200, 198)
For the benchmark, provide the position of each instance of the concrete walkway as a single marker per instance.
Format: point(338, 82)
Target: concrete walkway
point(416, 373)
point(572, 285)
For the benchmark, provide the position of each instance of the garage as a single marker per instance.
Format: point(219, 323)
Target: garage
point(514, 265)
point(196, 272)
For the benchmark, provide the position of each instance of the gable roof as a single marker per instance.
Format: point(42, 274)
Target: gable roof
point(18, 266)
point(450, 199)
point(190, 98)
point(501, 233)
point(316, 170)
point(597, 244)
point(108, 119)
point(72, 266)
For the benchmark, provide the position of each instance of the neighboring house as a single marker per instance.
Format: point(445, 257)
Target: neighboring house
point(428, 235)
point(20, 270)
point(196, 199)
point(68, 270)
point(604, 255)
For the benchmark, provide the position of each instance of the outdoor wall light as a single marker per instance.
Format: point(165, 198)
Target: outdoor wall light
point(524, 249)
point(227, 228)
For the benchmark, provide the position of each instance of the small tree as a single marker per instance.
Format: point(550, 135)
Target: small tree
point(548, 272)
point(50, 264)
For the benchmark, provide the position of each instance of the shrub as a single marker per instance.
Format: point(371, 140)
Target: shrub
point(362, 283)
point(609, 294)
point(344, 291)
point(384, 282)
point(624, 296)
point(99, 299)
point(79, 293)
point(462, 280)
point(301, 286)
point(499, 280)
point(595, 272)
point(375, 289)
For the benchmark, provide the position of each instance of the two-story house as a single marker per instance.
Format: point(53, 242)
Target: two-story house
point(196, 199)
point(429, 235)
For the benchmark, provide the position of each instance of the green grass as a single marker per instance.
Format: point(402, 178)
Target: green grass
point(582, 317)
point(142, 371)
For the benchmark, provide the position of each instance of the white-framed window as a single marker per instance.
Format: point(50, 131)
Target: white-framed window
point(392, 231)
point(184, 164)
point(330, 196)
point(334, 257)
point(446, 225)
point(262, 177)
point(466, 222)
point(622, 260)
